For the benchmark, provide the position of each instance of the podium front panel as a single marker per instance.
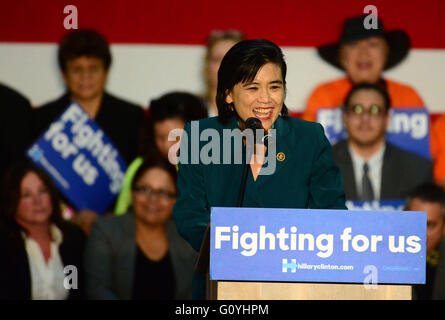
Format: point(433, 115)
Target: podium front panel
point(326, 246)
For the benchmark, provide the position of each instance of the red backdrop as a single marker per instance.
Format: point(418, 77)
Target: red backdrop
point(286, 22)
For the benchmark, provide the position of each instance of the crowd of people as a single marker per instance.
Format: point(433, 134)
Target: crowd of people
point(134, 251)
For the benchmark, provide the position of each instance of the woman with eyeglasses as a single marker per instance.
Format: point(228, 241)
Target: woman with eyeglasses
point(140, 255)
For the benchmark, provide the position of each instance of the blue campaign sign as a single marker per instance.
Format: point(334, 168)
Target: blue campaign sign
point(409, 128)
point(332, 122)
point(302, 245)
point(375, 205)
point(80, 159)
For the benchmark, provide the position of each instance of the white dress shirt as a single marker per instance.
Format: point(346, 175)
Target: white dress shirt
point(46, 278)
point(375, 164)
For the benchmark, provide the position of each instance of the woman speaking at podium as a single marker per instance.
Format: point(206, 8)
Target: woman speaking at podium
point(252, 84)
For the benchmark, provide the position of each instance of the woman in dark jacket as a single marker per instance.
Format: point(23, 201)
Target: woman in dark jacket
point(42, 253)
point(84, 58)
point(140, 255)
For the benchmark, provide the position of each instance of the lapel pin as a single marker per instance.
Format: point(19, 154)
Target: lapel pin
point(281, 156)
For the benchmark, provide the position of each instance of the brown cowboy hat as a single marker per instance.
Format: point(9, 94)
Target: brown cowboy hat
point(354, 29)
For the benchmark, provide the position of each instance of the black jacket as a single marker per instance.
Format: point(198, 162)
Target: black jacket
point(402, 171)
point(15, 275)
point(15, 118)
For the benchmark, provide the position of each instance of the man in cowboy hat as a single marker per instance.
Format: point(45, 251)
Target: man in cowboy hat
point(363, 53)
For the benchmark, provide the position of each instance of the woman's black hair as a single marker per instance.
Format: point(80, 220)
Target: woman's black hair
point(155, 162)
point(83, 42)
point(11, 191)
point(182, 105)
point(241, 64)
point(369, 86)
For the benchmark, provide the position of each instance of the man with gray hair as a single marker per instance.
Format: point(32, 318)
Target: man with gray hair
point(430, 198)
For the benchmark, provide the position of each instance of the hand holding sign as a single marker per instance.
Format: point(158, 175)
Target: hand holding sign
point(81, 160)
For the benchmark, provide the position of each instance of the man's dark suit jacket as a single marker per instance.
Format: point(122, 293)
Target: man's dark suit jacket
point(401, 172)
point(15, 276)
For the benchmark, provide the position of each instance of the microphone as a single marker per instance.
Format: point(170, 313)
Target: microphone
point(254, 124)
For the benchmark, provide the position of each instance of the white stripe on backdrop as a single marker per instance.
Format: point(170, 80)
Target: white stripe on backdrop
point(143, 72)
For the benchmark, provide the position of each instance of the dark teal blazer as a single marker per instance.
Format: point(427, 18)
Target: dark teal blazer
point(306, 178)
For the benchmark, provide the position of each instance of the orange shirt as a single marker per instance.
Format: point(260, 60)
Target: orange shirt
point(438, 147)
point(333, 93)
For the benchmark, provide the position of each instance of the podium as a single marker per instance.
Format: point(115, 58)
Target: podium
point(237, 274)
point(236, 290)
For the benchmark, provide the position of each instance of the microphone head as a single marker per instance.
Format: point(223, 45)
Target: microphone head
point(254, 123)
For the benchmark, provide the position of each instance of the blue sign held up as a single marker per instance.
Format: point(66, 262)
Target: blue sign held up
point(80, 159)
point(302, 245)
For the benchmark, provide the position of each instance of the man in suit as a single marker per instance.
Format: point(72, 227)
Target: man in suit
point(372, 168)
point(430, 198)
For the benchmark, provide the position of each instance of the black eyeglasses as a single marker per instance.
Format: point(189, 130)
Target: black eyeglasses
point(148, 191)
